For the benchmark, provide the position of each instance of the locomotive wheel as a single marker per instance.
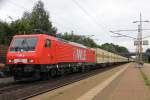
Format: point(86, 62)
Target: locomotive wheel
point(62, 72)
point(45, 76)
point(37, 75)
point(87, 68)
point(75, 69)
point(83, 69)
point(53, 72)
point(68, 71)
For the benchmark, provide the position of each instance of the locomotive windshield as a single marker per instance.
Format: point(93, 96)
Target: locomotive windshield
point(23, 44)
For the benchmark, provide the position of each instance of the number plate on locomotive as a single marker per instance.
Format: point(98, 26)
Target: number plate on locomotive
point(20, 60)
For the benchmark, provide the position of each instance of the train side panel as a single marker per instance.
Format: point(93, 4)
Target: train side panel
point(99, 55)
point(105, 57)
point(66, 52)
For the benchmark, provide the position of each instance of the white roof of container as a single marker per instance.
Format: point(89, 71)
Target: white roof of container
point(72, 43)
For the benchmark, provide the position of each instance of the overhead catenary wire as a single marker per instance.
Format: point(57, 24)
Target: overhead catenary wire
point(71, 25)
point(18, 5)
point(122, 35)
point(89, 15)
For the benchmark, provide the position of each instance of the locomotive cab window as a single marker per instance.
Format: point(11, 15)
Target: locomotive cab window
point(22, 44)
point(47, 43)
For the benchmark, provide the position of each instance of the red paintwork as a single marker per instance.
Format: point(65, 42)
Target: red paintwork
point(59, 52)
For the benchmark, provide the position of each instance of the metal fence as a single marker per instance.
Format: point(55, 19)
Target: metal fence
point(3, 51)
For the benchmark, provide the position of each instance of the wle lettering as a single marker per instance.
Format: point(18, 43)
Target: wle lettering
point(79, 54)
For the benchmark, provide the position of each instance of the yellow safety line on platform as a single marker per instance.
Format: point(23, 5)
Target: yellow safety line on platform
point(97, 89)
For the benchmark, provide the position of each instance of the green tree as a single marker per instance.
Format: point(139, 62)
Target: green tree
point(5, 32)
point(39, 19)
point(79, 39)
point(114, 48)
point(108, 47)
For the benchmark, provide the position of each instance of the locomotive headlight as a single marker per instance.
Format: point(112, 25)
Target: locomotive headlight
point(11, 60)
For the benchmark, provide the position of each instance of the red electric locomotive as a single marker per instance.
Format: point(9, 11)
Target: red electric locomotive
point(41, 56)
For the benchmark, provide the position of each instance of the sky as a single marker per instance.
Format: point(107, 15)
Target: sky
point(88, 17)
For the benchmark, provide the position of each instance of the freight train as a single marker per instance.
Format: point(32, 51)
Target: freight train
point(41, 56)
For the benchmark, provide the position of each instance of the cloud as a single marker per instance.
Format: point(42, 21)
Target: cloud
point(1, 0)
point(1, 3)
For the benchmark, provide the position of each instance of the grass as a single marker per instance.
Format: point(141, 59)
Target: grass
point(146, 80)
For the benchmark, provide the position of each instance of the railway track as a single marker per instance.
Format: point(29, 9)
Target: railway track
point(6, 82)
point(28, 90)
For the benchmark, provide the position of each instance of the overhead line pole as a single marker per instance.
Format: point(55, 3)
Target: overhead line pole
point(140, 40)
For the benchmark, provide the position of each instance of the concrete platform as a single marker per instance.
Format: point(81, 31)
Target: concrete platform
point(146, 70)
point(128, 86)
